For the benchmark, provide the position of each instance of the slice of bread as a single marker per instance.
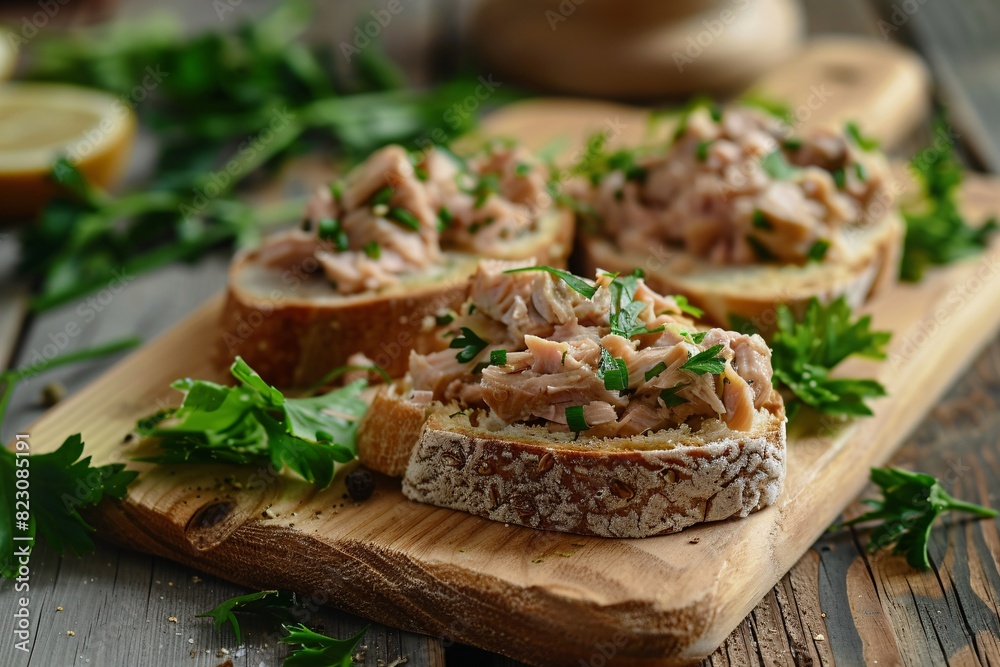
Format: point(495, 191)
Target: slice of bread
point(652, 484)
point(752, 291)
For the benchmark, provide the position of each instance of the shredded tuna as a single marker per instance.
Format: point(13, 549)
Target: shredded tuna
point(558, 345)
point(394, 214)
point(712, 193)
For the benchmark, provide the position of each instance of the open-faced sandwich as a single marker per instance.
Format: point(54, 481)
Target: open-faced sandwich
point(380, 254)
point(738, 214)
point(596, 408)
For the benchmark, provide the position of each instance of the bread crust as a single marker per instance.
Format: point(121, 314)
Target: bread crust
point(872, 268)
point(589, 486)
point(294, 340)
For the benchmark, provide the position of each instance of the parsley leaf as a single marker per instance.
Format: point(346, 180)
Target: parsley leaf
point(686, 307)
point(777, 167)
point(470, 345)
point(613, 371)
point(316, 650)
point(937, 233)
point(670, 398)
point(575, 418)
point(576, 282)
point(864, 143)
point(277, 605)
point(61, 484)
point(817, 251)
point(804, 352)
point(910, 504)
point(253, 423)
point(625, 311)
point(706, 361)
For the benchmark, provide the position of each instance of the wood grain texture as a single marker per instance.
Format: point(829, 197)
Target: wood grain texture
point(563, 598)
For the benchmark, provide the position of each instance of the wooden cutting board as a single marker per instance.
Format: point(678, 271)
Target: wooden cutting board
point(544, 598)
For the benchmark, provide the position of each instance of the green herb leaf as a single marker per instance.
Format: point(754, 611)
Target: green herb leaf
point(696, 337)
point(777, 167)
point(625, 311)
point(655, 370)
point(498, 357)
point(470, 345)
point(253, 423)
point(701, 150)
point(273, 605)
point(760, 249)
point(686, 307)
point(864, 143)
point(839, 177)
point(403, 217)
point(804, 352)
point(817, 251)
point(760, 220)
point(706, 361)
point(382, 197)
point(373, 249)
point(316, 650)
point(613, 371)
point(936, 232)
point(445, 218)
point(910, 504)
point(61, 484)
point(575, 419)
point(577, 283)
point(670, 397)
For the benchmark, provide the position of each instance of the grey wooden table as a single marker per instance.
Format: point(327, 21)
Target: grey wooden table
point(838, 604)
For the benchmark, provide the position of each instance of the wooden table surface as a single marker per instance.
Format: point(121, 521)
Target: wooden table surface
point(838, 605)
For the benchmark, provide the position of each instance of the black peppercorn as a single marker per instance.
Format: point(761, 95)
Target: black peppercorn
point(360, 484)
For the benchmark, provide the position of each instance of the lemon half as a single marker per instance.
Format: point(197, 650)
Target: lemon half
point(41, 122)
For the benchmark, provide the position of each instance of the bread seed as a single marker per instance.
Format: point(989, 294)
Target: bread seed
point(494, 497)
point(546, 462)
point(453, 459)
point(621, 489)
point(484, 468)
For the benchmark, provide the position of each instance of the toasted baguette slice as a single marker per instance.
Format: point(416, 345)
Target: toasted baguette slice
point(653, 484)
point(752, 292)
point(293, 329)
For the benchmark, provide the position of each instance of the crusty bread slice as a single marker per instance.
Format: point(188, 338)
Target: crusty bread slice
point(647, 485)
point(871, 263)
point(294, 329)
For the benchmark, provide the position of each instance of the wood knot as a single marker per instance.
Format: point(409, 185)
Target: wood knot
point(210, 515)
point(621, 489)
point(546, 462)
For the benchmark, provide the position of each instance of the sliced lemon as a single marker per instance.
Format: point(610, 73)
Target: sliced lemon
point(41, 122)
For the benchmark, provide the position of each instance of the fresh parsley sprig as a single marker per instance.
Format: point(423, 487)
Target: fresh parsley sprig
point(625, 310)
point(254, 423)
point(578, 284)
point(316, 650)
point(937, 232)
point(706, 361)
point(278, 606)
point(804, 352)
point(468, 344)
point(910, 503)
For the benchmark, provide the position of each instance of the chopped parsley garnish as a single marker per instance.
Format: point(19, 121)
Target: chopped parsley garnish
point(655, 370)
point(706, 361)
point(253, 423)
point(277, 606)
point(777, 167)
point(522, 169)
point(625, 310)
point(337, 190)
point(575, 282)
point(860, 171)
point(804, 352)
point(470, 345)
point(670, 397)
point(686, 307)
point(315, 649)
point(760, 249)
point(696, 337)
point(486, 186)
point(864, 143)
point(701, 150)
point(373, 249)
point(421, 173)
point(498, 357)
point(911, 502)
point(839, 177)
point(382, 196)
point(699, 102)
point(760, 220)
point(403, 217)
point(445, 218)
point(817, 251)
point(776, 108)
point(613, 371)
point(444, 319)
point(792, 143)
point(575, 419)
point(937, 232)
point(330, 230)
